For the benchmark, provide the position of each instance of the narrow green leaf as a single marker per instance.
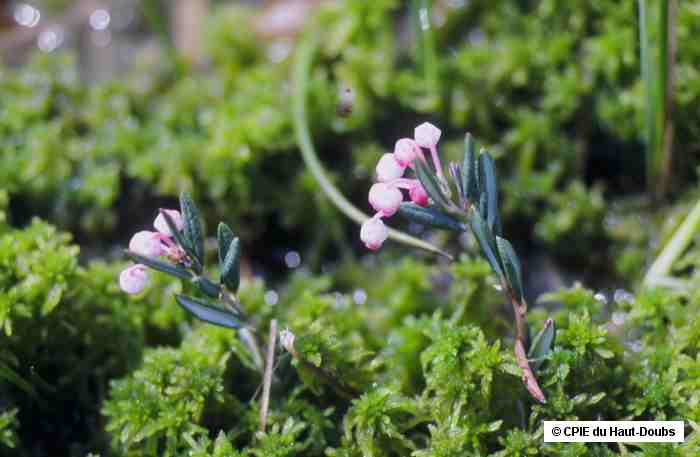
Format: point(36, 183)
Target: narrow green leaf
point(542, 344)
point(486, 241)
point(225, 236)
point(231, 269)
point(511, 266)
point(208, 313)
point(456, 174)
point(207, 287)
point(159, 265)
point(470, 183)
point(483, 206)
point(193, 226)
point(430, 216)
point(430, 183)
point(12, 377)
point(487, 173)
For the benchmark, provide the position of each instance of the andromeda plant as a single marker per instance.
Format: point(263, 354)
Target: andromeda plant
point(176, 247)
point(467, 200)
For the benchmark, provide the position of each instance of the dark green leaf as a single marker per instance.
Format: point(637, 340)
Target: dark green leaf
point(429, 216)
point(483, 206)
point(486, 241)
point(470, 183)
point(511, 266)
point(487, 178)
point(159, 265)
point(225, 236)
point(542, 344)
point(231, 269)
point(430, 183)
point(207, 287)
point(11, 377)
point(192, 226)
point(456, 174)
point(207, 312)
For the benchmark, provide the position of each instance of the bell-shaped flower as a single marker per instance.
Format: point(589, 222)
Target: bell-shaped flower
point(134, 279)
point(385, 199)
point(388, 168)
point(162, 226)
point(427, 135)
point(147, 244)
point(374, 233)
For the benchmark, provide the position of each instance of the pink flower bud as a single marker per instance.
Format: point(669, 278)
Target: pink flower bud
point(385, 199)
point(374, 233)
point(162, 226)
point(134, 279)
point(427, 135)
point(418, 195)
point(406, 151)
point(147, 244)
point(388, 168)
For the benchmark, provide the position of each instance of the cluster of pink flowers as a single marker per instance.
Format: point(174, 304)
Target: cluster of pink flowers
point(151, 244)
point(385, 196)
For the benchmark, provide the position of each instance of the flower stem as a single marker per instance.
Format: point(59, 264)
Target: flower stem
point(302, 74)
point(519, 310)
point(267, 378)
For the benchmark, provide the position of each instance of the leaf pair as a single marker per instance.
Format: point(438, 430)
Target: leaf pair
point(499, 253)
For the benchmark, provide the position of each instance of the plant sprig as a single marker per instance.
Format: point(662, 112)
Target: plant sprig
point(476, 207)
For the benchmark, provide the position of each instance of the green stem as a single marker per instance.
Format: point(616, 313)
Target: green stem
point(661, 267)
point(425, 36)
point(301, 75)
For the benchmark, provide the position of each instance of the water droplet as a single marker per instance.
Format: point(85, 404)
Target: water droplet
point(292, 259)
point(99, 19)
point(476, 36)
point(424, 19)
point(600, 297)
point(621, 295)
point(26, 15)
point(359, 296)
point(635, 346)
point(279, 50)
point(271, 297)
point(618, 318)
point(50, 39)
point(340, 300)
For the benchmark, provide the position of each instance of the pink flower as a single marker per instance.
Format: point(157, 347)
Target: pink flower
point(388, 168)
point(162, 226)
point(147, 244)
point(374, 233)
point(427, 135)
point(385, 199)
point(406, 151)
point(418, 195)
point(134, 279)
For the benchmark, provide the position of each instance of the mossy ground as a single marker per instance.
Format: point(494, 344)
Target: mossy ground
point(423, 347)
